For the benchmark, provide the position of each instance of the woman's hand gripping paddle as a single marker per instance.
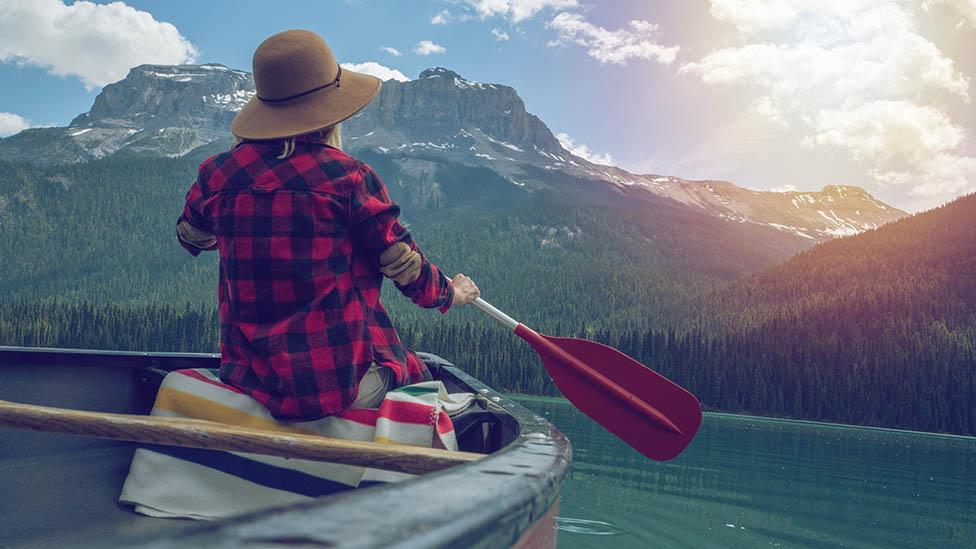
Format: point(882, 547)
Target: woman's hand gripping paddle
point(641, 407)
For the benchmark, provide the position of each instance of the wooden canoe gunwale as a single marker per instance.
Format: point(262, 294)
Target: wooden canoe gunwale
point(488, 503)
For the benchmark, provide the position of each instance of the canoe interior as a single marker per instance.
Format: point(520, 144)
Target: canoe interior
point(62, 490)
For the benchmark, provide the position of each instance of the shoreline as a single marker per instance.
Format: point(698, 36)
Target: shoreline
point(541, 398)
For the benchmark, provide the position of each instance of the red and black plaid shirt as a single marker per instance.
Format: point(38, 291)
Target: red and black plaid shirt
point(299, 289)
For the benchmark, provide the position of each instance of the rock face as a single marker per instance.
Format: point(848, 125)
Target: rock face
point(168, 110)
point(156, 109)
point(439, 117)
point(440, 105)
point(208, 95)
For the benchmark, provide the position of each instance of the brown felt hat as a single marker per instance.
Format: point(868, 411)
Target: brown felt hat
point(300, 88)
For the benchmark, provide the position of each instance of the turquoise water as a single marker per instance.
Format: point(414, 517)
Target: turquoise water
point(753, 482)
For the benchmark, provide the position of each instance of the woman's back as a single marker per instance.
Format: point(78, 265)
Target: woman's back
point(299, 241)
point(306, 234)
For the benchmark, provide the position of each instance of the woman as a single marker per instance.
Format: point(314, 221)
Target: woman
point(306, 234)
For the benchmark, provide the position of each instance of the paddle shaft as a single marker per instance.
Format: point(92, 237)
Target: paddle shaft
point(494, 313)
point(195, 433)
point(541, 344)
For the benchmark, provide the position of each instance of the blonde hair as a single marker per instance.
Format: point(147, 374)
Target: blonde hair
point(332, 136)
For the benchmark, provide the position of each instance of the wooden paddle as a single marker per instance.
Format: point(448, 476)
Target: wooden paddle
point(195, 433)
point(646, 410)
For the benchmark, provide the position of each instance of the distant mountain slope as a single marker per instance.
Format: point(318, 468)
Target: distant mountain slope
point(922, 266)
point(876, 329)
point(440, 117)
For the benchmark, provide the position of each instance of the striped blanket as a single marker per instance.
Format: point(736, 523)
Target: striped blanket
point(166, 481)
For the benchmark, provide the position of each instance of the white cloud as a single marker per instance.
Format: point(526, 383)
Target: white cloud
point(854, 74)
point(887, 131)
point(426, 47)
point(965, 8)
point(582, 151)
point(375, 69)
point(518, 10)
point(392, 51)
point(806, 72)
point(97, 43)
point(890, 177)
point(11, 123)
point(937, 180)
point(754, 15)
point(442, 17)
point(612, 46)
point(944, 177)
point(500, 35)
point(766, 108)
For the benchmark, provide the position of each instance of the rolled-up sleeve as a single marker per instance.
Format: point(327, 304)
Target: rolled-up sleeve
point(194, 230)
point(374, 218)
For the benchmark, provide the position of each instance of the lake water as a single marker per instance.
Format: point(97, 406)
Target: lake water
point(754, 482)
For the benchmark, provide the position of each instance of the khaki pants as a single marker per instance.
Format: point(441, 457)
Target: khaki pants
point(373, 387)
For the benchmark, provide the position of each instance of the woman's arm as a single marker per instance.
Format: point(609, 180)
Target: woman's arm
point(193, 229)
point(375, 219)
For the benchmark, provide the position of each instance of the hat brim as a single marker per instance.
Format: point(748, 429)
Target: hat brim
point(263, 120)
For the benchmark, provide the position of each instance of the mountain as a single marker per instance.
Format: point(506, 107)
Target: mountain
point(156, 109)
point(440, 116)
point(876, 329)
point(87, 211)
point(922, 267)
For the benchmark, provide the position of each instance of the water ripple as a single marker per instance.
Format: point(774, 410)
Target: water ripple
point(589, 527)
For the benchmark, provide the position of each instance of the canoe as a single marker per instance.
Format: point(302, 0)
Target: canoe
point(62, 490)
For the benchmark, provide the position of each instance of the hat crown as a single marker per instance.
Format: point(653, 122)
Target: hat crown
point(291, 63)
point(299, 89)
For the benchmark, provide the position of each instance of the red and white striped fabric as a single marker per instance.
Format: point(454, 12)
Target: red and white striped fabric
point(169, 481)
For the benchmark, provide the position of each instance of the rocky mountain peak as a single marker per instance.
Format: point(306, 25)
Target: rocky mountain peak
point(438, 72)
point(844, 190)
point(172, 92)
point(442, 108)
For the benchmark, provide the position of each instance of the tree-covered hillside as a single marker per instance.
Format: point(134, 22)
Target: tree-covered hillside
point(103, 231)
point(922, 267)
point(879, 328)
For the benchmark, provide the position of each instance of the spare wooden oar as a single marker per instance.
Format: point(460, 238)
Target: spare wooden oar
point(646, 410)
point(196, 433)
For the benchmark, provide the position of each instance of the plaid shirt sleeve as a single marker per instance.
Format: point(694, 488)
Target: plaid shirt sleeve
point(375, 218)
point(194, 230)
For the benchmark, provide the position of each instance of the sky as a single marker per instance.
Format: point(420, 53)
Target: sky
point(768, 94)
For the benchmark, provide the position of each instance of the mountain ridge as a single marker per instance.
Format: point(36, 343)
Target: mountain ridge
point(175, 110)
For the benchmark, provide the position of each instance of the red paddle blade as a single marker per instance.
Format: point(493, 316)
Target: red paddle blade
point(641, 407)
